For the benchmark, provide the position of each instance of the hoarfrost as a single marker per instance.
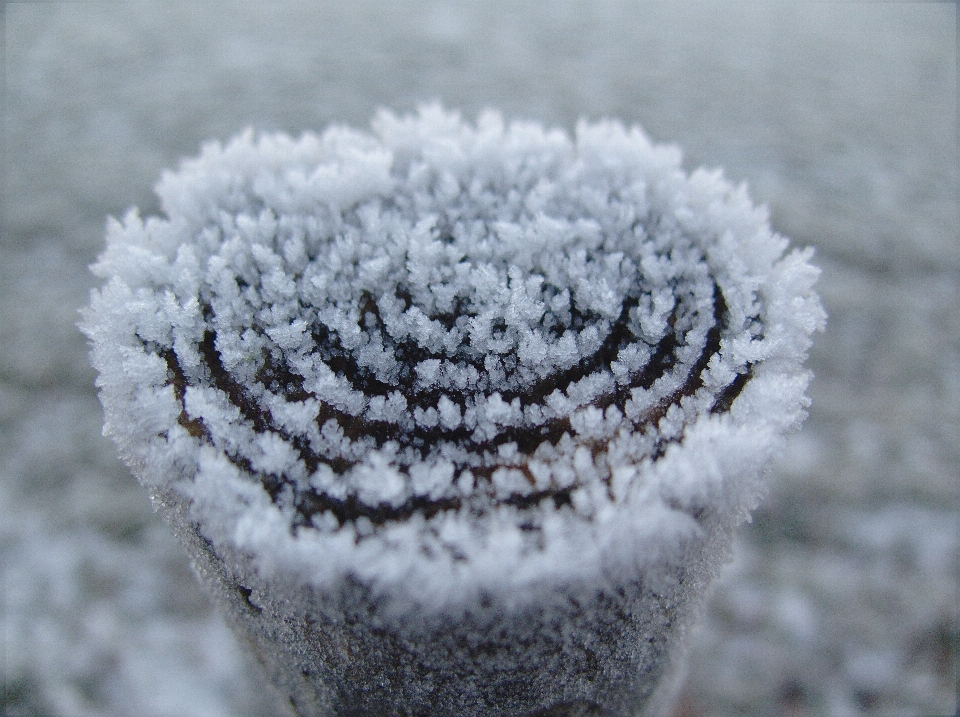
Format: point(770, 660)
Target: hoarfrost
point(457, 327)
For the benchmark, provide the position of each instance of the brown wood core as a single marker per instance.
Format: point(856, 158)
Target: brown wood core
point(276, 376)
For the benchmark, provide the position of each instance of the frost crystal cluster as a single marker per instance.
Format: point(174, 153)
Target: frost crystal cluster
point(463, 325)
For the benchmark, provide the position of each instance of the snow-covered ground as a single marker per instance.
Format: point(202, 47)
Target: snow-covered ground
point(843, 595)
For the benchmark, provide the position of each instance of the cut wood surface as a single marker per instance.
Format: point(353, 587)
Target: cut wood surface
point(842, 596)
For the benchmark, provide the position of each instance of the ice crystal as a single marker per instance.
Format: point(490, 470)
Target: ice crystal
point(441, 344)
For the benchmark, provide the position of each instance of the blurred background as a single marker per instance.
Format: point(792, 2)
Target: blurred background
point(842, 597)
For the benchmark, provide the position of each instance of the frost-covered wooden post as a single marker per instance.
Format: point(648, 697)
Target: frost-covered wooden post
point(453, 419)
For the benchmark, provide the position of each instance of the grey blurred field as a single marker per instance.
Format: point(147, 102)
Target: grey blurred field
point(842, 598)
